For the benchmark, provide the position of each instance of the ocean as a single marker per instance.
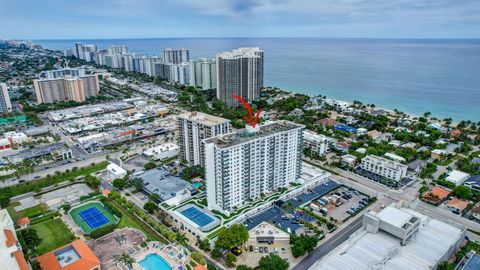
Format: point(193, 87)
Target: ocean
point(413, 76)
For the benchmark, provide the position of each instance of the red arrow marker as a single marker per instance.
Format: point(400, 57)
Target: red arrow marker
point(252, 121)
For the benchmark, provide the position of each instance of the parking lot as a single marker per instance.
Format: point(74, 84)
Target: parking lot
point(286, 217)
point(341, 203)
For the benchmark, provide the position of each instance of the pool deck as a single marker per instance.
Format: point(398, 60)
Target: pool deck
point(163, 251)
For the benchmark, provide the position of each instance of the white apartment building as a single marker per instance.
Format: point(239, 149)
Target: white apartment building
point(5, 104)
point(193, 128)
point(316, 142)
point(239, 72)
point(117, 49)
point(162, 151)
point(175, 56)
point(203, 73)
point(250, 163)
point(58, 73)
point(384, 167)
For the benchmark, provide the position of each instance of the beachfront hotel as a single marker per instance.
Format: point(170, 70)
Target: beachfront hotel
point(239, 72)
point(252, 162)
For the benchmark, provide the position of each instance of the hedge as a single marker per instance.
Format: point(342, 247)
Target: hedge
point(97, 233)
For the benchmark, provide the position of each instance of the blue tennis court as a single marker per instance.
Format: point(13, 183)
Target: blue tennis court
point(197, 216)
point(93, 217)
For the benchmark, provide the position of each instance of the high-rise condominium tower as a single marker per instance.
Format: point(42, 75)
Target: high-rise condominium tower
point(250, 163)
point(202, 73)
point(5, 104)
point(193, 128)
point(173, 56)
point(117, 49)
point(239, 72)
point(66, 88)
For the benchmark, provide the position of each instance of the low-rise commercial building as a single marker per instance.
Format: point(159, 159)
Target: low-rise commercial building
point(395, 238)
point(265, 234)
point(164, 151)
point(171, 189)
point(115, 171)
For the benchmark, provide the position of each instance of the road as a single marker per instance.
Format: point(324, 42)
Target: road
point(330, 244)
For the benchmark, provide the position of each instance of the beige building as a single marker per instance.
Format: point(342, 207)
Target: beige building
point(265, 234)
point(193, 127)
point(66, 88)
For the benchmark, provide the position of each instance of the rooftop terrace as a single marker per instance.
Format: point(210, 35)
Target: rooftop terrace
point(244, 135)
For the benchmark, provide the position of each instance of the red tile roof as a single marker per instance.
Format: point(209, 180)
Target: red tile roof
point(87, 261)
point(458, 204)
point(23, 221)
point(439, 194)
point(22, 263)
point(200, 267)
point(11, 240)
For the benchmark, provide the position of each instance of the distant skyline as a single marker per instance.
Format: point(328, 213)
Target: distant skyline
point(89, 19)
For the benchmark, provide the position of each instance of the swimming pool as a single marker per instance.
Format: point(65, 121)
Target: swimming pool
point(154, 262)
point(197, 184)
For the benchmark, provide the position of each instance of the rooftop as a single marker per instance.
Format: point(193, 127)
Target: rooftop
point(74, 256)
point(381, 250)
point(160, 181)
point(457, 204)
point(243, 135)
point(203, 118)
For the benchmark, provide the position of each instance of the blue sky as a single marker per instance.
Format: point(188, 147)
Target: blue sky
point(64, 19)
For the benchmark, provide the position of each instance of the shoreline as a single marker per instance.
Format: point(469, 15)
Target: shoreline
point(455, 120)
point(390, 111)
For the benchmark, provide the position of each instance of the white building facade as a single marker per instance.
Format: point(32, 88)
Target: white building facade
point(249, 164)
point(316, 142)
point(384, 167)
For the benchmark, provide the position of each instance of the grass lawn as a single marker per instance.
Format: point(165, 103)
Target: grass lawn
point(54, 234)
point(29, 212)
point(127, 222)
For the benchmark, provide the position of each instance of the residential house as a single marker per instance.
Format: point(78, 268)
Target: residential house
point(456, 206)
point(436, 195)
point(457, 177)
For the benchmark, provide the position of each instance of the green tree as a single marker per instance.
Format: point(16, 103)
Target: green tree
point(126, 259)
point(181, 238)
point(150, 165)
point(272, 262)
point(137, 183)
point(216, 253)
point(204, 244)
point(119, 183)
point(150, 207)
point(231, 237)
point(243, 267)
point(230, 260)
point(92, 181)
point(196, 256)
point(462, 192)
point(31, 238)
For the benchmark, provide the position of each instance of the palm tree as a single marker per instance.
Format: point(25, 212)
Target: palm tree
point(126, 259)
point(181, 239)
